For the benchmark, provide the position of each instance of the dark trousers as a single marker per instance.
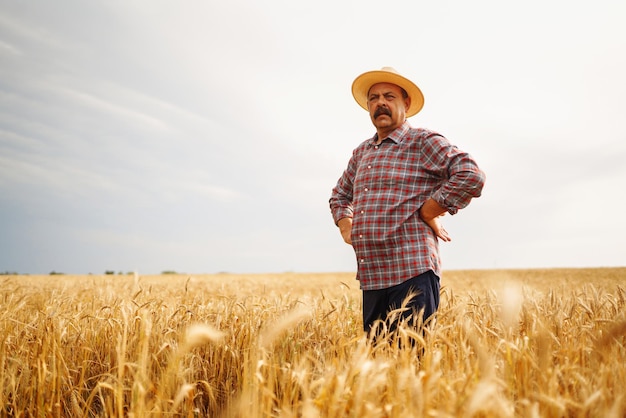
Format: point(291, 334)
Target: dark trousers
point(378, 303)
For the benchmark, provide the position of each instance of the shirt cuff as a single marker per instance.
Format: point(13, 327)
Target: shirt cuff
point(444, 201)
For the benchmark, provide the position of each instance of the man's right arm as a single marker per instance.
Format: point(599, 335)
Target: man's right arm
point(341, 197)
point(345, 227)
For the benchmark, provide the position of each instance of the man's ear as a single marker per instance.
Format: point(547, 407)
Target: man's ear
point(407, 103)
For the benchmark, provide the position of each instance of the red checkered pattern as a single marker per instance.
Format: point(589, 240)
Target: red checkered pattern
point(383, 188)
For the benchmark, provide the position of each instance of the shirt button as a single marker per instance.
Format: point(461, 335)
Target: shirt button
point(360, 236)
point(376, 147)
point(366, 189)
point(369, 166)
point(362, 261)
point(362, 211)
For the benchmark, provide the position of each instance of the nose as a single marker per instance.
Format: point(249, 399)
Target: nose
point(380, 101)
point(379, 104)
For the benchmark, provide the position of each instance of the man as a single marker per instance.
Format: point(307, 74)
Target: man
point(390, 199)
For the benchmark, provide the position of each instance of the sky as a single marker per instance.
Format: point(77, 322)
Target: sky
point(203, 136)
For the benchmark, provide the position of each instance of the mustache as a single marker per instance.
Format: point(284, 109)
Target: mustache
point(382, 111)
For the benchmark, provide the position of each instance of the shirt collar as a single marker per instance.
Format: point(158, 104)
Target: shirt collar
point(397, 135)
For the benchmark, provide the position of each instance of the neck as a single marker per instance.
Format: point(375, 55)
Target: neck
point(384, 133)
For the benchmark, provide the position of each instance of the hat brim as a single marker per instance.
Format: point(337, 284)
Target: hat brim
point(363, 83)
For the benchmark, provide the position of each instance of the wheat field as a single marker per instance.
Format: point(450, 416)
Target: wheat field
point(506, 343)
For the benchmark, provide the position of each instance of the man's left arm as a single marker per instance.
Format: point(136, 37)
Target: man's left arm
point(464, 180)
point(431, 212)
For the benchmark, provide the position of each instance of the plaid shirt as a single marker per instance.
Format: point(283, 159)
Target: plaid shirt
point(383, 188)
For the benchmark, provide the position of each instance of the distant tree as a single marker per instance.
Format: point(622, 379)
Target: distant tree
point(168, 272)
point(109, 272)
point(55, 273)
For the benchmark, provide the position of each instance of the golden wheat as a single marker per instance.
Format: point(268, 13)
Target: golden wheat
point(508, 343)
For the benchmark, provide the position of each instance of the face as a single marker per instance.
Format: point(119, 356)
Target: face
point(387, 107)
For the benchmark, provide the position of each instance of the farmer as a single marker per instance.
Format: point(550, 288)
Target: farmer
point(389, 201)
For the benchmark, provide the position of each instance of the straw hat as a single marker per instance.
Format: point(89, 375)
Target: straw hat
point(362, 84)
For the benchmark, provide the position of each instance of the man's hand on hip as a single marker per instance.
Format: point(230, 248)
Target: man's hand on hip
point(431, 213)
point(345, 227)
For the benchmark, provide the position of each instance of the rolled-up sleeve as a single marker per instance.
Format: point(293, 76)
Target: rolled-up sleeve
point(464, 180)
